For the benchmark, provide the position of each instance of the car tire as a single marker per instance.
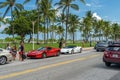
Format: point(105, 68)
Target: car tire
point(3, 60)
point(72, 51)
point(97, 50)
point(44, 55)
point(80, 50)
point(108, 64)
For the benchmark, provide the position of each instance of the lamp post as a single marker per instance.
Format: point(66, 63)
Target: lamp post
point(90, 40)
point(33, 24)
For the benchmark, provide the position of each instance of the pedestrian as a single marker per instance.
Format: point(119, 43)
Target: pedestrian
point(83, 43)
point(60, 43)
point(64, 44)
point(21, 51)
point(14, 52)
point(8, 46)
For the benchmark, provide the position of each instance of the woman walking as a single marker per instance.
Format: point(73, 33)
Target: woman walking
point(21, 51)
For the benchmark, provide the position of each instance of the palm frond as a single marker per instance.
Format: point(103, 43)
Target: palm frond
point(16, 10)
point(3, 4)
point(26, 1)
point(74, 6)
point(8, 8)
point(19, 6)
point(83, 1)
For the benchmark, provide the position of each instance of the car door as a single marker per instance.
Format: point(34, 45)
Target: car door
point(50, 51)
point(77, 49)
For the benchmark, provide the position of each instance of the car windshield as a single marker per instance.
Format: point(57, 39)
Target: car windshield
point(113, 48)
point(70, 46)
point(102, 43)
point(42, 48)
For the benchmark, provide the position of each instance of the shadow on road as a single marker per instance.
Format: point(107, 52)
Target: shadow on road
point(112, 67)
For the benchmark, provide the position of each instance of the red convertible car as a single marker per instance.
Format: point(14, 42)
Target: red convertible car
point(112, 55)
point(44, 52)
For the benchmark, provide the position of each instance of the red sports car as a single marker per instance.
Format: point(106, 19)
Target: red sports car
point(44, 52)
point(112, 55)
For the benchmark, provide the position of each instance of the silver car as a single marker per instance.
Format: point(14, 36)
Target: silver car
point(101, 46)
point(5, 56)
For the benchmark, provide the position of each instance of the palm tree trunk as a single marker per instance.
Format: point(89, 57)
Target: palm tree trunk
point(67, 14)
point(73, 38)
point(30, 38)
point(47, 30)
point(44, 32)
point(38, 28)
point(12, 23)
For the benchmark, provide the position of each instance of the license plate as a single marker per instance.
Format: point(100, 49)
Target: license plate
point(115, 56)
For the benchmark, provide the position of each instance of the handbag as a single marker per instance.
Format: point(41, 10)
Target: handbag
point(24, 56)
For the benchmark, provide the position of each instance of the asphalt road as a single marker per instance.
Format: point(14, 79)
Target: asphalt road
point(87, 65)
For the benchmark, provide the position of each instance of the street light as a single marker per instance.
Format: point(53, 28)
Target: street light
point(90, 40)
point(33, 24)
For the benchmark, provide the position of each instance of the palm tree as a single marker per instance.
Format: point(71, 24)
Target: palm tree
point(73, 24)
point(60, 31)
point(115, 30)
point(45, 7)
point(86, 25)
point(53, 29)
point(66, 5)
point(98, 28)
point(10, 4)
point(1, 20)
point(38, 15)
point(107, 30)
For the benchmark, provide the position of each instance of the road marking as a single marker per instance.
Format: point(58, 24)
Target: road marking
point(47, 66)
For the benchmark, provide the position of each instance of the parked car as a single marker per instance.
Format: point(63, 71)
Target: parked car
point(101, 46)
point(116, 43)
point(71, 49)
point(112, 55)
point(5, 56)
point(44, 52)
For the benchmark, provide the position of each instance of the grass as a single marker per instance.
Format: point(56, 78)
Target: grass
point(29, 46)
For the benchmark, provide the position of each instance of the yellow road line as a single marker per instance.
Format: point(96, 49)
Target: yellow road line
point(47, 66)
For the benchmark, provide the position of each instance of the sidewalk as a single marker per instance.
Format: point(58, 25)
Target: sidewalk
point(88, 48)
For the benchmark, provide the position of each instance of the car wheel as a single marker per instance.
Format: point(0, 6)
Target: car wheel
point(72, 51)
point(108, 64)
point(80, 50)
point(3, 60)
point(58, 53)
point(44, 55)
point(97, 50)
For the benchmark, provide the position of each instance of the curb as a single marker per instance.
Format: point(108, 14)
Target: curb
point(88, 48)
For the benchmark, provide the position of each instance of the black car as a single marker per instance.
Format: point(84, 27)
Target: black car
point(101, 46)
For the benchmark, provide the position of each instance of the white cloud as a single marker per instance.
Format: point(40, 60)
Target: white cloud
point(3, 26)
point(89, 5)
point(7, 17)
point(58, 13)
point(94, 4)
point(95, 15)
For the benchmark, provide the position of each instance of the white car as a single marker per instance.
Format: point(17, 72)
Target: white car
point(71, 49)
point(5, 56)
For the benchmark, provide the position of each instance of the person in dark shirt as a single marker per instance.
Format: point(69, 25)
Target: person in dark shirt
point(21, 51)
point(60, 44)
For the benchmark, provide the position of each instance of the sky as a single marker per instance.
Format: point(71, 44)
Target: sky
point(102, 9)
